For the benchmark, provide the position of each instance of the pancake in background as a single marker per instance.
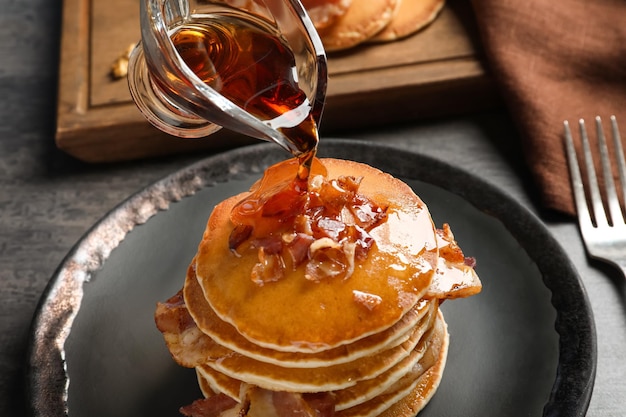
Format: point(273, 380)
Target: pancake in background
point(301, 315)
point(324, 13)
point(412, 16)
point(364, 19)
point(226, 335)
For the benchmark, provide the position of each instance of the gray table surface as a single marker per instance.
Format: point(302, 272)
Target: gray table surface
point(48, 200)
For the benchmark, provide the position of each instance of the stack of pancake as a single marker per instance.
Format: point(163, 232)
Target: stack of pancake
point(373, 343)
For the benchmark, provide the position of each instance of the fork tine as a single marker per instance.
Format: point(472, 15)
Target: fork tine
point(621, 163)
point(609, 185)
point(596, 200)
point(584, 217)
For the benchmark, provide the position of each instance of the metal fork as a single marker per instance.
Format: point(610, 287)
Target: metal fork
point(602, 226)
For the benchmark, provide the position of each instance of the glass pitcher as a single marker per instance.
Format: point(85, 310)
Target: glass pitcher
point(239, 42)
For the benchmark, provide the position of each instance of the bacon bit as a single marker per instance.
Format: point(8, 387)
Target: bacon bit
point(368, 214)
point(212, 406)
point(290, 221)
point(323, 403)
point(323, 243)
point(350, 183)
point(349, 250)
point(272, 244)
point(172, 316)
point(367, 300)
point(298, 247)
point(331, 228)
point(448, 247)
point(240, 234)
point(302, 224)
point(326, 260)
point(470, 261)
point(270, 268)
point(338, 193)
point(290, 404)
point(177, 300)
point(262, 402)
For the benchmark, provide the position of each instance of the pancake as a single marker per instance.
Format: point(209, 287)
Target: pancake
point(324, 13)
point(213, 382)
point(403, 394)
point(368, 389)
point(356, 332)
point(413, 391)
point(412, 16)
point(226, 335)
point(330, 378)
point(205, 352)
point(361, 391)
point(323, 315)
point(363, 20)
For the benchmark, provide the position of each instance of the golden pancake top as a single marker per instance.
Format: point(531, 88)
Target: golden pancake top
point(226, 335)
point(303, 315)
point(323, 13)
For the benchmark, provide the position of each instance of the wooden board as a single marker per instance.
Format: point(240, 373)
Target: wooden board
point(437, 71)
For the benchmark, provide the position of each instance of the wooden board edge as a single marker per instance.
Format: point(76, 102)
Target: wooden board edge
point(92, 140)
point(73, 88)
point(116, 132)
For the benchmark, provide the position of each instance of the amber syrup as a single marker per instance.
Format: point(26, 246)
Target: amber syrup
point(252, 66)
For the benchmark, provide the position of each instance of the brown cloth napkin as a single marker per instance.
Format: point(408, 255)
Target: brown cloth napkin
point(556, 60)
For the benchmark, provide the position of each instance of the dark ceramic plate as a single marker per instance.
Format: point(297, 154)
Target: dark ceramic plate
point(525, 346)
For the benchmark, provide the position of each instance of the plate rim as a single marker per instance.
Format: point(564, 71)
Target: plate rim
point(577, 360)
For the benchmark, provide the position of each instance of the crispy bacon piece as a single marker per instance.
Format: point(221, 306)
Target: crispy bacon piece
point(286, 222)
point(212, 406)
point(261, 403)
point(448, 248)
point(326, 259)
point(240, 234)
point(322, 402)
point(270, 268)
point(172, 316)
point(470, 261)
point(455, 276)
point(297, 247)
